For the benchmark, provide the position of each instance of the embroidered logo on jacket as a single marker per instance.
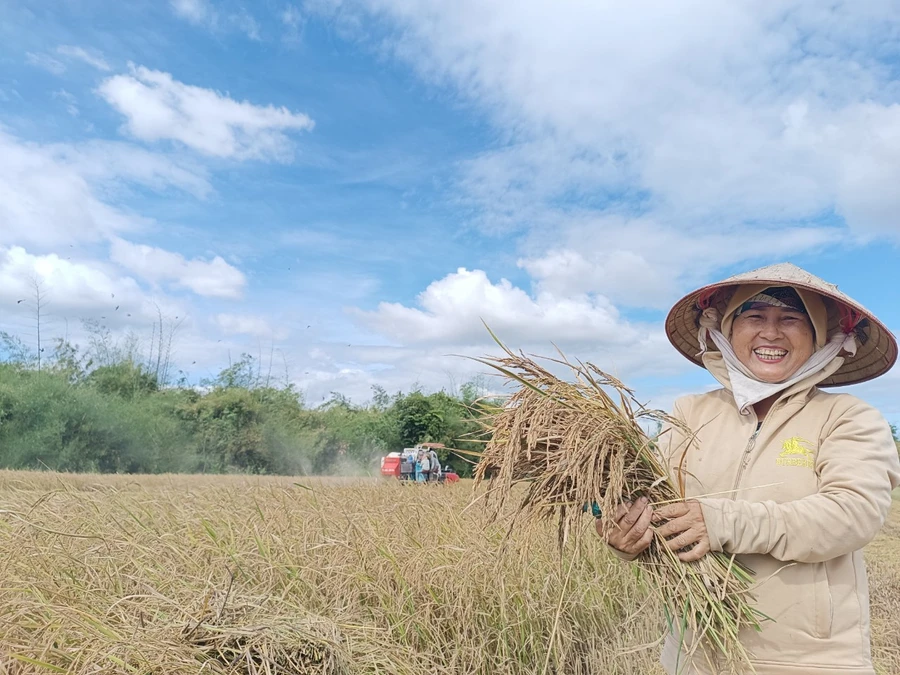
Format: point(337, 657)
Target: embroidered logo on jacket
point(796, 452)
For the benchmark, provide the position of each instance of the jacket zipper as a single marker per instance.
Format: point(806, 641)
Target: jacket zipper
point(745, 457)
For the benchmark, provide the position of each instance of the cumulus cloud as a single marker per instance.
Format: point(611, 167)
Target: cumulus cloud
point(452, 309)
point(451, 313)
point(78, 288)
point(49, 193)
point(210, 278)
point(158, 107)
point(46, 202)
point(692, 112)
point(94, 60)
point(641, 149)
point(641, 262)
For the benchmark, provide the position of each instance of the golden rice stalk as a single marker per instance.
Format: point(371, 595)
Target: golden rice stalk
point(243, 638)
point(573, 445)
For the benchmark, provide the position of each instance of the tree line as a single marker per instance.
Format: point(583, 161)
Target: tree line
point(106, 408)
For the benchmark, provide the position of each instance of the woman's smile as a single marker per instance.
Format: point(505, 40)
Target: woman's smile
point(770, 354)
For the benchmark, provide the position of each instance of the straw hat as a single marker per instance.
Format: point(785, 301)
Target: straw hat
point(877, 347)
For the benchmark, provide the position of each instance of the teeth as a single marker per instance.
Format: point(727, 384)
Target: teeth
point(772, 354)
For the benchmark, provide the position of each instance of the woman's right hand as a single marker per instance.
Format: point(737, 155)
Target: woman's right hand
point(633, 534)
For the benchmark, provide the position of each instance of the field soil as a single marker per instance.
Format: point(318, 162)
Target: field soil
point(223, 574)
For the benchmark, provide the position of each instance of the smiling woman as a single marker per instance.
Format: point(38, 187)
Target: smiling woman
point(806, 476)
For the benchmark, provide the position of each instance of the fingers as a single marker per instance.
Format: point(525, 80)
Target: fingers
point(682, 528)
point(700, 550)
point(686, 538)
point(644, 542)
point(627, 521)
point(639, 529)
point(633, 533)
point(670, 511)
point(675, 526)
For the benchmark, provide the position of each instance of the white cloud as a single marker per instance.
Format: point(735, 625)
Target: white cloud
point(47, 202)
point(158, 107)
point(452, 312)
point(202, 13)
point(45, 62)
point(425, 341)
point(294, 22)
point(73, 291)
point(110, 163)
point(70, 100)
point(49, 193)
point(640, 262)
point(194, 11)
point(246, 24)
point(210, 278)
point(291, 17)
point(71, 288)
point(692, 111)
point(249, 324)
point(640, 148)
point(92, 59)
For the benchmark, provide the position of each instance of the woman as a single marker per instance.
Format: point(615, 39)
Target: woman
point(420, 468)
point(799, 480)
point(426, 466)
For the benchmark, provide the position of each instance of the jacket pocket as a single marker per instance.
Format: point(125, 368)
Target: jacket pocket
point(824, 605)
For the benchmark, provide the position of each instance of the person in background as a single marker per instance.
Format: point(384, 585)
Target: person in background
point(406, 467)
point(420, 467)
point(426, 466)
point(435, 464)
point(798, 480)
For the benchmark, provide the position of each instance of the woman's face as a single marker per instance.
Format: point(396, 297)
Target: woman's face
point(773, 342)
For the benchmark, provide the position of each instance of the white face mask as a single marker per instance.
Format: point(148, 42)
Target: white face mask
point(745, 387)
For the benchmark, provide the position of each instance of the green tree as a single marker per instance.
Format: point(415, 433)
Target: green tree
point(125, 379)
point(418, 420)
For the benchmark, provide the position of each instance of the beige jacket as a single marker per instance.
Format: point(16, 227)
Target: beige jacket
point(834, 463)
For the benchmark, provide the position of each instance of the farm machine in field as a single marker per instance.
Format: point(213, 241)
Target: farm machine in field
point(402, 465)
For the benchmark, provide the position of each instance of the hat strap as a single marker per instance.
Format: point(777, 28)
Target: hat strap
point(709, 321)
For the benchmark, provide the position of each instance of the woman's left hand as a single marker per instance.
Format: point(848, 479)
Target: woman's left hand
point(685, 527)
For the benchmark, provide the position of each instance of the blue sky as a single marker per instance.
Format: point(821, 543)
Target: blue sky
point(349, 186)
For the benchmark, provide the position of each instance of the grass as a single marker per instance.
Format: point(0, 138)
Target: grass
point(214, 574)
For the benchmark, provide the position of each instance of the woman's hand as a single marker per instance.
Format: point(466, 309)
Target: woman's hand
point(685, 527)
point(633, 533)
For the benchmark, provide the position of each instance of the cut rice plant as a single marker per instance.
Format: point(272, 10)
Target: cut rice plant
point(244, 638)
point(567, 447)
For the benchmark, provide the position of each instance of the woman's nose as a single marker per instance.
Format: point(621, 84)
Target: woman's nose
point(771, 329)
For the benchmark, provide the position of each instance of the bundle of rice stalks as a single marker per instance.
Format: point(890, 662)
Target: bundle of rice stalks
point(246, 640)
point(580, 445)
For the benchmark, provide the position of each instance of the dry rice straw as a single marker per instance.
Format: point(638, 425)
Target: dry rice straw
point(571, 444)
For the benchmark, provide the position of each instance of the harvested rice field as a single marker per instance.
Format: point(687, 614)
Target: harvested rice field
point(226, 574)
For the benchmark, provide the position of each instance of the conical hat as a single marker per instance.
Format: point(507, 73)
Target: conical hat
point(877, 347)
